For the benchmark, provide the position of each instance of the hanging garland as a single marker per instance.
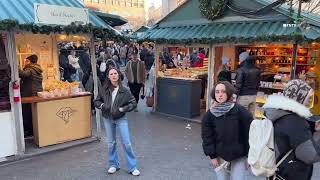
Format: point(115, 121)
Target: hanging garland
point(212, 10)
point(98, 32)
point(230, 39)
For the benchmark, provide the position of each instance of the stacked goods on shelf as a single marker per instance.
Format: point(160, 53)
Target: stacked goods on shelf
point(183, 73)
point(55, 88)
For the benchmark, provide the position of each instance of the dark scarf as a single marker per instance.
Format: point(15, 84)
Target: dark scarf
point(221, 109)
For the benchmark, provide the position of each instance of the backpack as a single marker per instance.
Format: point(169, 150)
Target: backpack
point(103, 67)
point(262, 157)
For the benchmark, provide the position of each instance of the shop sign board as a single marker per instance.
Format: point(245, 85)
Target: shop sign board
point(59, 15)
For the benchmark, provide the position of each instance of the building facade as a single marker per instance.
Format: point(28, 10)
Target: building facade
point(132, 10)
point(170, 5)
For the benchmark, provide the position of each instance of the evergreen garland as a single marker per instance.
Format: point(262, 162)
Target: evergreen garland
point(230, 39)
point(212, 10)
point(98, 32)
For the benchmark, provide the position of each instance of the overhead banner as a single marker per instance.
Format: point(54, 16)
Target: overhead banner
point(59, 15)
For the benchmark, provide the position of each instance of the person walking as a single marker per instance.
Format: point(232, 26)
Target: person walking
point(85, 65)
point(200, 58)
point(136, 73)
point(224, 73)
point(289, 114)
point(114, 100)
point(64, 64)
point(123, 55)
point(149, 57)
point(73, 60)
point(247, 82)
point(225, 133)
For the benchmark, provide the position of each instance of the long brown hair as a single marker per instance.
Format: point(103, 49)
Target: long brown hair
point(108, 84)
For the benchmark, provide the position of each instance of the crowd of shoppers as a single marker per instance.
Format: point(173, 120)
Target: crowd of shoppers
point(226, 125)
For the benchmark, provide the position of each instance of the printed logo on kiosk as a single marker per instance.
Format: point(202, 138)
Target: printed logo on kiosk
point(65, 114)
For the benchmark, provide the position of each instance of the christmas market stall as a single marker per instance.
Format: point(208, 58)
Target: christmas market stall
point(48, 75)
point(284, 42)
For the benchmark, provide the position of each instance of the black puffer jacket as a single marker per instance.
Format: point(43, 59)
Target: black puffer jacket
point(248, 79)
point(124, 99)
point(224, 75)
point(290, 129)
point(31, 77)
point(226, 136)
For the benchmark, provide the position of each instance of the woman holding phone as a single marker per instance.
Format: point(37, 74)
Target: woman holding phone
point(225, 133)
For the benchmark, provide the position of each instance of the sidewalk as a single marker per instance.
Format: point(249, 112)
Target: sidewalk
point(165, 149)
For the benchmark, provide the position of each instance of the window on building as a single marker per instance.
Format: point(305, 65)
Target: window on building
point(141, 3)
point(135, 3)
point(89, 1)
point(102, 1)
point(95, 1)
point(129, 3)
point(123, 3)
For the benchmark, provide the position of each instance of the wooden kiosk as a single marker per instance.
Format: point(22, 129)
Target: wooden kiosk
point(59, 120)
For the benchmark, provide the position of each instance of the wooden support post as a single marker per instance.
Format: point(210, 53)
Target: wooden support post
point(95, 84)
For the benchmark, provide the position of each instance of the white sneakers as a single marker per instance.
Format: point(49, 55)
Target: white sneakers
point(136, 172)
point(112, 170)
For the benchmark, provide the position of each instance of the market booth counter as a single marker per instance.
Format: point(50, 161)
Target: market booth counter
point(179, 92)
point(60, 119)
point(179, 97)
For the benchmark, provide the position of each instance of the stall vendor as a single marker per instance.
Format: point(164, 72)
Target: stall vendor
point(31, 83)
point(31, 77)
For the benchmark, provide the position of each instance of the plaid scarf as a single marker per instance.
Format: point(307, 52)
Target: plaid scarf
point(221, 109)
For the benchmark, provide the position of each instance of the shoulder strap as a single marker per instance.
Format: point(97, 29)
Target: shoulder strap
point(284, 158)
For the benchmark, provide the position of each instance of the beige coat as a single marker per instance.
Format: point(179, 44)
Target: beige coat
point(141, 72)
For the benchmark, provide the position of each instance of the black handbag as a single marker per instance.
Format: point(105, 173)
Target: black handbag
point(72, 70)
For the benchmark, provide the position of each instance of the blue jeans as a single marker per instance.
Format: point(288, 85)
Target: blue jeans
point(113, 159)
point(123, 61)
point(76, 76)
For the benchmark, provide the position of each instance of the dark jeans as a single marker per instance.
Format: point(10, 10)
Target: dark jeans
point(27, 119)
point(135, 90)
point(85, 79)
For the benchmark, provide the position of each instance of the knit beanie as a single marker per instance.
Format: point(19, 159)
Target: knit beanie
point(243, 56)
point(33, 58)
point(298, 90)
point(225, 60)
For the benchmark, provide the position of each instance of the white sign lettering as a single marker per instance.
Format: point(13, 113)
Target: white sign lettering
point(59, 15)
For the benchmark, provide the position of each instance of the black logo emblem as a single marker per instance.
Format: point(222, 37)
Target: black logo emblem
point(65, 114)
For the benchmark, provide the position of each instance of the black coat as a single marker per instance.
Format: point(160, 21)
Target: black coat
point(64, 63)
point(31, 77)
point(248, 80)
point(290, 130)
point(149, 60)
point(85, 63)
point(124, 99)
point(224, 76)
point(226, 136)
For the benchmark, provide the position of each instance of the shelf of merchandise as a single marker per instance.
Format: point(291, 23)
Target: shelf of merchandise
point(285, 64)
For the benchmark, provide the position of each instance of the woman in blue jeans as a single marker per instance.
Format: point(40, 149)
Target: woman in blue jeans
point(114, 100)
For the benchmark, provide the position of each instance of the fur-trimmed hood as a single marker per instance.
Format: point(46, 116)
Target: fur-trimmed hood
point(286, 104)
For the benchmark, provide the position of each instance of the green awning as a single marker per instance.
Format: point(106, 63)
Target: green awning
point(111, 19)
point(248, 31)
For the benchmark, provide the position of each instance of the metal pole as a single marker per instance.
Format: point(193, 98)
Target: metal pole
point(295, 45)
point(95, 83)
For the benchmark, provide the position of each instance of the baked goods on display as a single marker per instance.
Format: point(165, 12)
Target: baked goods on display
point(55, 88)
